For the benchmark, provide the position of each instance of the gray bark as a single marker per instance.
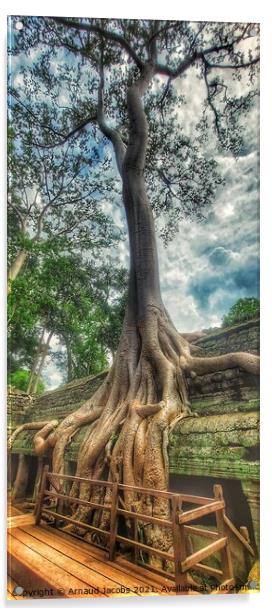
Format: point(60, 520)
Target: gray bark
point(41, 364)
point(17, 266)
point(35, 363)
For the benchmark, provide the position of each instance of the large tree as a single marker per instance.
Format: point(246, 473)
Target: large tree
point(122, 80)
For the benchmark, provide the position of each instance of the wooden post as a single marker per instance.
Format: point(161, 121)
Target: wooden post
point(179, 544)
point(113, 520)
point(20, 484)
point(38, 478)
point(39, 505)
point(226, 560)
point(60, 504)
point(244, 532)
point(135, 536)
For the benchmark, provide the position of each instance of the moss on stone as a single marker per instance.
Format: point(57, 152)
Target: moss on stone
point(209, 407)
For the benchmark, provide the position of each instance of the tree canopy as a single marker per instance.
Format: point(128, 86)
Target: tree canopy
point(68, 65)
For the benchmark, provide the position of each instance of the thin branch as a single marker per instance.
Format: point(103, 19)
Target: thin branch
point(24, 196)
point(198, 55)
point(233, 66)
point(167, 183)
point(164, 29)
point(45, 174)
point(165, 93)
point(209, 98)
point(64, 137)
point(152, 42)
point(202, 26)
point(30, 112)
point(73, 48)
point(79, 127)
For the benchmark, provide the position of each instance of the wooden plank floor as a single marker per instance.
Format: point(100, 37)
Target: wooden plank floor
point(13, 510)
point(19, 521)
point(49, 563)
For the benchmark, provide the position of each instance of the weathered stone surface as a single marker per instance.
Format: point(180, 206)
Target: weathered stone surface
point(224, 391)
point(251, 491)
point(62, 401)
point(17, 401)
point(217, 446)
point(243, 337)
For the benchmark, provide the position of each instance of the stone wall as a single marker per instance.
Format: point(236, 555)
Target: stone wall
point(218, 446)
point(62, 401)
point(243, 337)
point(17, 401)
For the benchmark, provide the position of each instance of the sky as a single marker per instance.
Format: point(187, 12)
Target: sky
point(208, 265)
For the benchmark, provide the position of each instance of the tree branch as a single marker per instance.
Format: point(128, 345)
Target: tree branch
point(111, 36)
point(30, 112)
point(64, 137)
point(79, 127)
point(163, 29)
point(209, 98)
point(111, 133)
point(198, 55)
point(233, 66)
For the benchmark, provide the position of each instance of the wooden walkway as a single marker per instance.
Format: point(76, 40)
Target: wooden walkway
point(48, 563)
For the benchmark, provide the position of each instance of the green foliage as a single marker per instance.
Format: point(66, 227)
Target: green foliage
point(243, 310)
point(20, 380)
point(81, 302)
point(54, 196)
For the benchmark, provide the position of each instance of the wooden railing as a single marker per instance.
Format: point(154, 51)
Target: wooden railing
point(183, 556)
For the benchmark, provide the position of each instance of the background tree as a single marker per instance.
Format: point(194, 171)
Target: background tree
point(20, 380)
point(45, 189)
point(123, 79)
point(244, 309)
point(73, 299)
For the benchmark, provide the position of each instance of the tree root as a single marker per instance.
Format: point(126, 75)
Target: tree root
point(146, 410)
point(129, 417)
point(203, 365)
point(34, 425)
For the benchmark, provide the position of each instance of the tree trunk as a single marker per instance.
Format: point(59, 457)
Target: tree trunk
point(17, 266)
point(69, 361)
point(36, 361)
point(44, 354)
